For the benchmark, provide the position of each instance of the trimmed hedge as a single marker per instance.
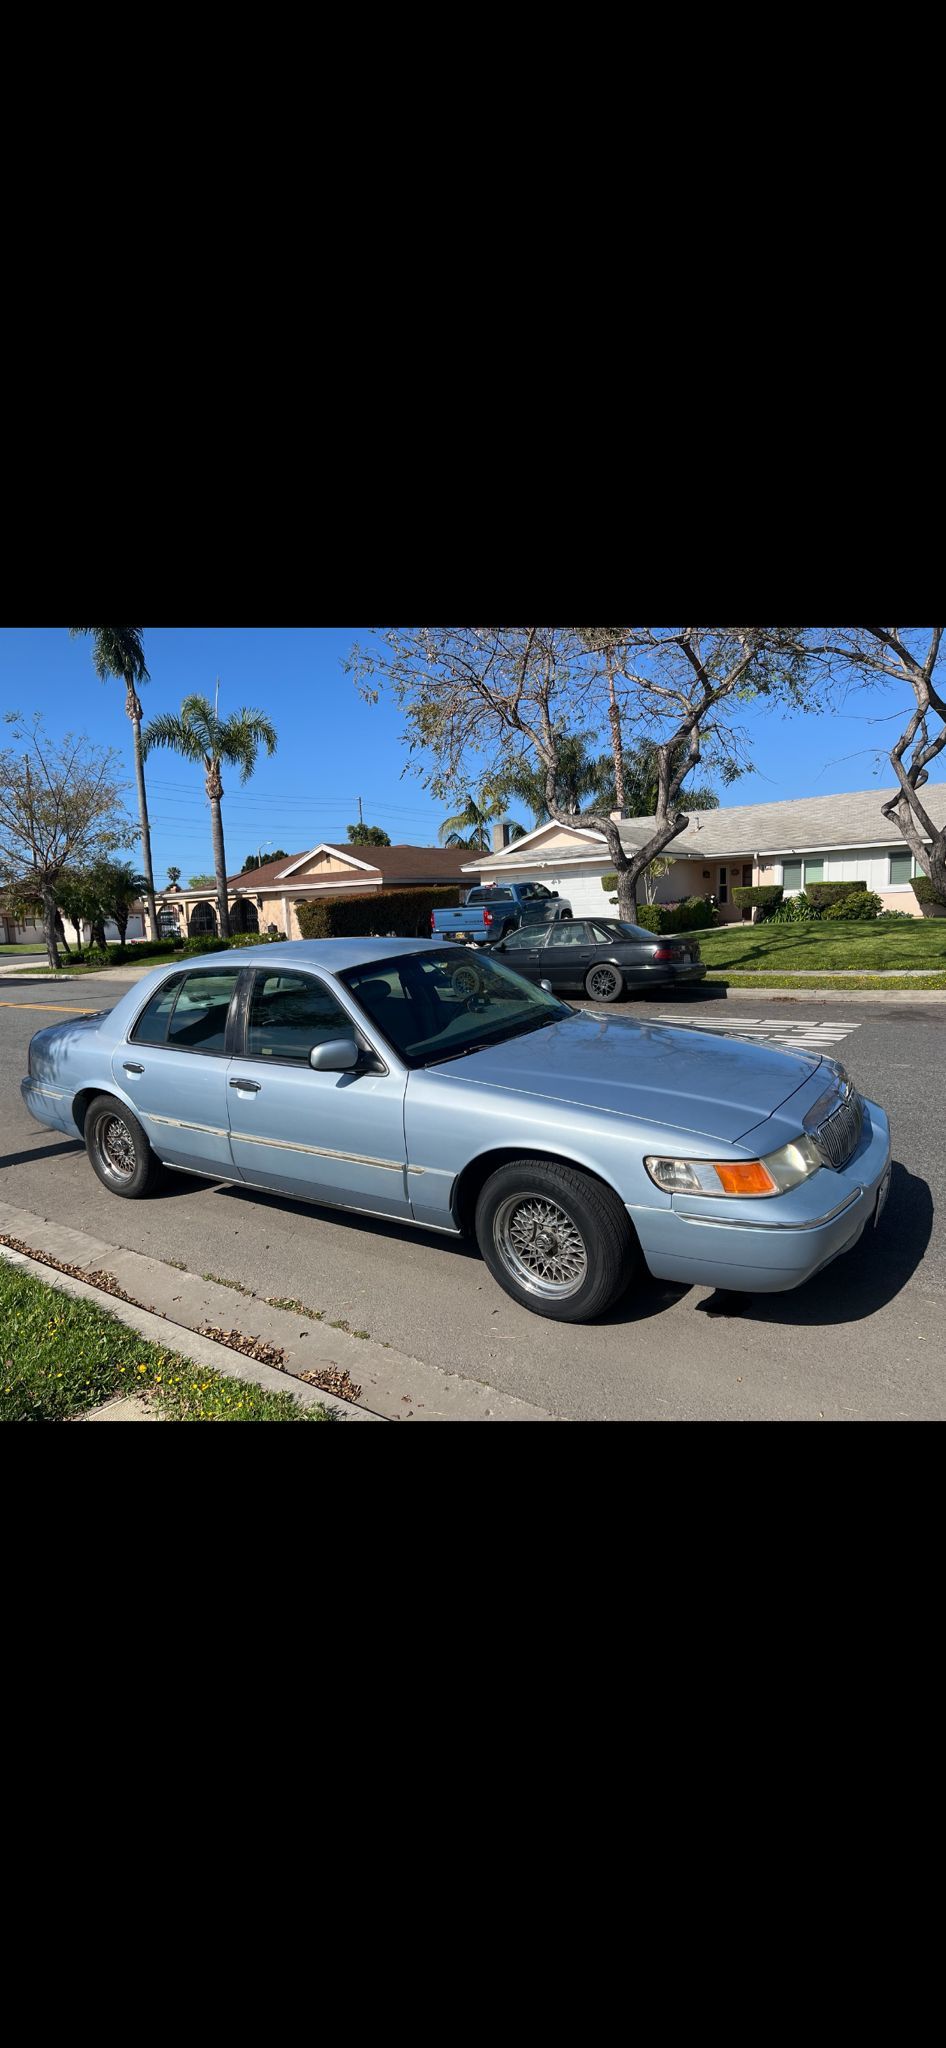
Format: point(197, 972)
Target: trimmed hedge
point(405, 912)
point(693, 914)
point(925, 892)
point(823, 893)
point(764, 894)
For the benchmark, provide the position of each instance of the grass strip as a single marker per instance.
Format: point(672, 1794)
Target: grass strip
point(764, 977)
point(59, 1356)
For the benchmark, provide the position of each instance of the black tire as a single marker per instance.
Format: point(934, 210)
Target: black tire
point(118, 1150)
point(588, 1254)
point(604, 983)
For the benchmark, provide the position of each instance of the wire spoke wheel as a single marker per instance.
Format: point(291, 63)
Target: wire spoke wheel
point(541, 1246)
point(116, 1147)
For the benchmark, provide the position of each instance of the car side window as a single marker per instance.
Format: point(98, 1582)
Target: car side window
point(571, 932)
point(152, 1025)
point(525, 941)
point(289, 1014)
point(198, 1021)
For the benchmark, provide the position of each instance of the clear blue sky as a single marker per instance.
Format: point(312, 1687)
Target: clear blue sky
point(334, 748)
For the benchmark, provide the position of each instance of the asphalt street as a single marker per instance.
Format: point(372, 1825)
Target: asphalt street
point(866, 1339)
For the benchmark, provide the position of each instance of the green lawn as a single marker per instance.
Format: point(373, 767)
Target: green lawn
point(28, 952)
point(59, 1356)
point(833, 947)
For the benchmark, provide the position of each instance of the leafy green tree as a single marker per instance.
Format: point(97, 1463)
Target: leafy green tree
point(253, 860)
point(198, 733)
point(367, 835)
point(117, 886)
point(118, 651)
point(201, 881)
point(60, 808)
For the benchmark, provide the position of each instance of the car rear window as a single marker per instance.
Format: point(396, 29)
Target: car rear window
point(490, 896)
point(189, 1011)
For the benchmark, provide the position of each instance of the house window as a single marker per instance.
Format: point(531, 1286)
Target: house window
point(902, 867)
point(814, 871)
point(791, 874)
point(723, 886)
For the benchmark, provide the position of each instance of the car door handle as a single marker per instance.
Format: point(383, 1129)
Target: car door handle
point(130, 1068)
point(253, 1087)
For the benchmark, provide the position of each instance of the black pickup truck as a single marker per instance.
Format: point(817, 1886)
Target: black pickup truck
point(489, 913)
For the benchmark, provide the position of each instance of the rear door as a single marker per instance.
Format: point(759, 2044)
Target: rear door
point(524, 951)
point(336, 1138)
point(568, 953)
point(173, 1066)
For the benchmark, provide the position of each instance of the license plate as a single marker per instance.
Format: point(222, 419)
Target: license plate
point(882, 1195)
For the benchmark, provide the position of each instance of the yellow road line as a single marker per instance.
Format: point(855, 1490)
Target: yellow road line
point(77, 1007)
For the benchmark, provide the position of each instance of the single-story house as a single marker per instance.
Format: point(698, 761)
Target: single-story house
point(840, 838)
point(270, 894)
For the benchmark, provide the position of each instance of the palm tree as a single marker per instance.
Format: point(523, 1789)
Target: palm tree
point(470, 827)
point(117, 651)
point(200, 734)
point(577, 775)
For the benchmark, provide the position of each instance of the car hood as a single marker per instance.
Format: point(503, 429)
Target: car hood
point(658, 1073)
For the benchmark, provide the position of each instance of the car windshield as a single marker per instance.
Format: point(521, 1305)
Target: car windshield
point(446, 1003)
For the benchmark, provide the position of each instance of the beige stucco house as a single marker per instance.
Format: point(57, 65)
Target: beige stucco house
point(805, 839)
point(271, 894)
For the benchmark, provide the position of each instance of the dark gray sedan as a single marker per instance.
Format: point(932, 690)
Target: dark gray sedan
point(601, 957)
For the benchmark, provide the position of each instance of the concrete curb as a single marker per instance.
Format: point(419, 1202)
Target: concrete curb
point(199, 1350)
point(395, 1387)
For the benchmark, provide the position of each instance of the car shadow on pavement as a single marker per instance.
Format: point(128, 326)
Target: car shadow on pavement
point(858, 1283)
point(41, 1152)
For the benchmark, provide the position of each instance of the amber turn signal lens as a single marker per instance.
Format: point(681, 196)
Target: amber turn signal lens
point(750, 1179)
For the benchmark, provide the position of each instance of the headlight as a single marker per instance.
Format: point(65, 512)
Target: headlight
point(782, 1170)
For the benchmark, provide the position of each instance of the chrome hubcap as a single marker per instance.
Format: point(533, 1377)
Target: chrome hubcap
point(116, 1147)
point(540, 1246)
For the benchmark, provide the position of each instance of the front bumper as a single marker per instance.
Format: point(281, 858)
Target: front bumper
point(772, 1244)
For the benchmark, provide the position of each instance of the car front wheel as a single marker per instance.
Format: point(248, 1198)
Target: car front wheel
point(604, 984)
point(117, 1147)
point(556, 1240)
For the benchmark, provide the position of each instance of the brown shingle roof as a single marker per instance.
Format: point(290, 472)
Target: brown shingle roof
point(402, 864)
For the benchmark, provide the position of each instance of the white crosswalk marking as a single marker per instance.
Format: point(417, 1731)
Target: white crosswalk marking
point(810, 1035)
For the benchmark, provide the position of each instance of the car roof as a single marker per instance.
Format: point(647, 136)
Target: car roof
point(331, 953)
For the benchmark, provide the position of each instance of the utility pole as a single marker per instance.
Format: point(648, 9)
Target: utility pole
point(360, 817)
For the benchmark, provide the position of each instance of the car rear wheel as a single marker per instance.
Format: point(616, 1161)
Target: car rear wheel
point(117, 1147)
point(604, 984)
point(556, 1240)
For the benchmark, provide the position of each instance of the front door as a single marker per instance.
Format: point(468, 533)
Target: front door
point(568, 953)
point(173, 1067)
point(336, 1138)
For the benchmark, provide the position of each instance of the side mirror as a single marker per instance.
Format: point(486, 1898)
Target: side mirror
point(547, 987)
point(336, 1056)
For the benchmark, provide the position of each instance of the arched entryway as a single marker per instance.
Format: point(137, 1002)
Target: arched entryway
point(203, 919)
point(244, 916)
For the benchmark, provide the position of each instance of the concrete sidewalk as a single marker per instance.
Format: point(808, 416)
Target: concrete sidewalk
point(394, 1387)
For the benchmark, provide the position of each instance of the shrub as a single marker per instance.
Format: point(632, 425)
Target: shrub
point(692, 914)
point(762, 895)
point(405, 912)
point(823, 893)
point(925, 892)
point(793, 910)
point(861, 905)
point(145, 949)
point(884, 916)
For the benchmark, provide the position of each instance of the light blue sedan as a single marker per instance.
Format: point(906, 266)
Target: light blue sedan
point(411, 1079)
